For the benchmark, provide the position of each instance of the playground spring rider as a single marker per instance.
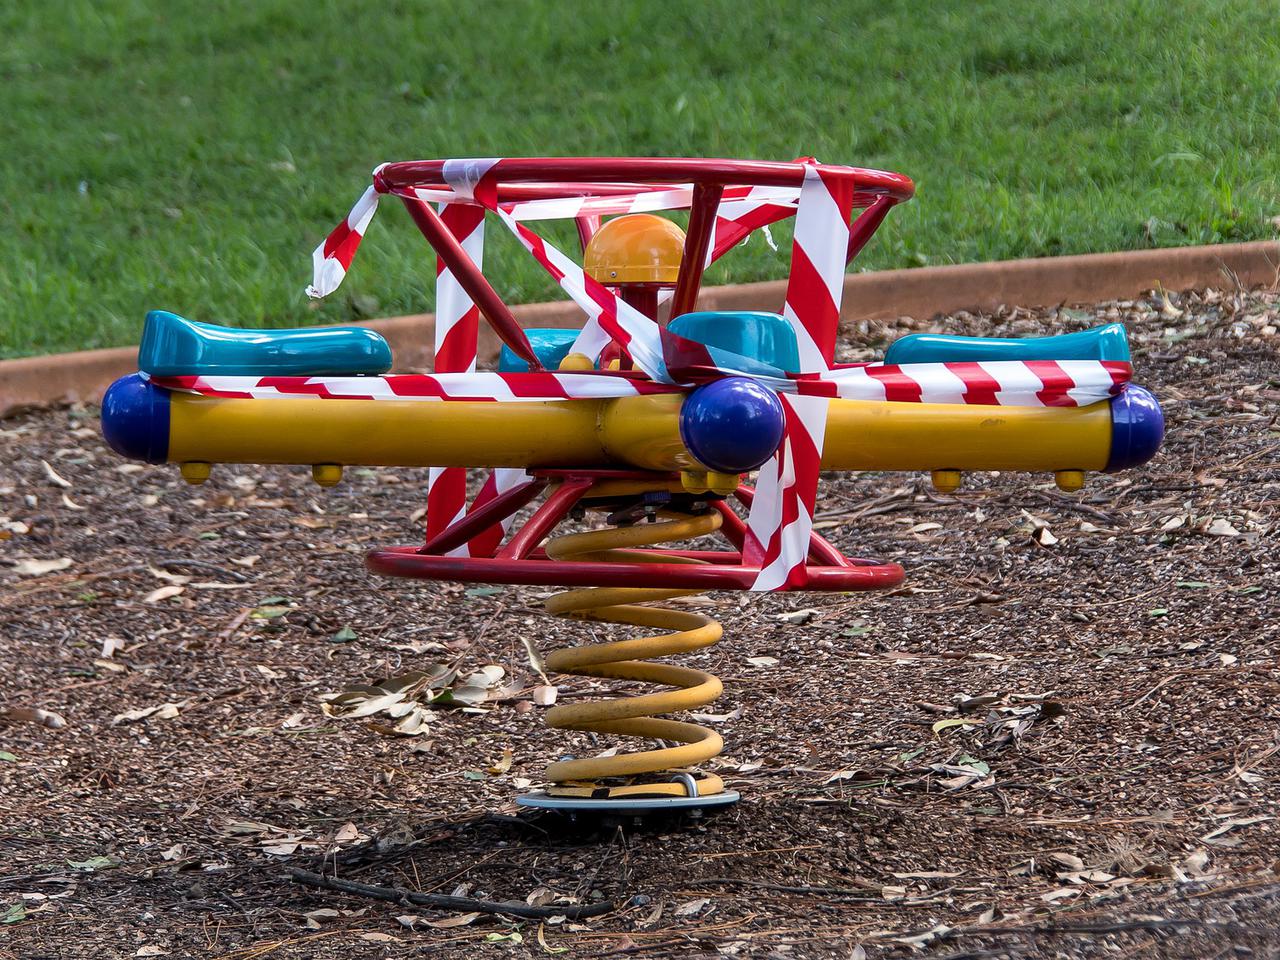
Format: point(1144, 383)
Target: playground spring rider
point(650, 426)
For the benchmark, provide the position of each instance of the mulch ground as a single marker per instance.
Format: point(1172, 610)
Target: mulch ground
point(1059, 739)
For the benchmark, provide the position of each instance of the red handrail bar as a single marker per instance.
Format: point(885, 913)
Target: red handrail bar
point(472, 280)
point(649, 170)
point(867, 223)
point(702, 217)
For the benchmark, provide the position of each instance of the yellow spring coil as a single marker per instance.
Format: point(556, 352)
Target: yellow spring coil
point(637, 716)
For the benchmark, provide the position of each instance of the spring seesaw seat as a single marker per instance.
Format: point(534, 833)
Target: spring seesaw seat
point(642, 425)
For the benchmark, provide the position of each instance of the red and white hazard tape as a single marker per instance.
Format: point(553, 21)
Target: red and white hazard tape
point(781, 516)
point(1034, 383)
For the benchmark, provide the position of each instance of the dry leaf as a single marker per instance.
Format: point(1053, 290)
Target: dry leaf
point(314, 917)
point(246, 827)
point(799, 616)
point(1060, 894)
point(415, 723)
point(544, 695)
point(163, 593)
point(1245, 776)
point(1067, 860)
point(38, 568)
point(763, 661)
point(52, 474)
point(535, 658)
point(461, 920)
point(540, 897)
point(362, 708)
point(929, 875)
point(164, 711)
point(918, 940)
point(542, 941)
point(691, 908)
point(1167, 309)
point(1232, 824)
point(168, 577)
point(1195, 863)
point(1221, 527)
point(504, 764)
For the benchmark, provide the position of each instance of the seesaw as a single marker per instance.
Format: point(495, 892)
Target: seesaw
point(647, 423)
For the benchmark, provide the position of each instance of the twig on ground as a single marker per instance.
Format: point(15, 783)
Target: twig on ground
point(782, 888)
point(437, 901)
point(182, 562)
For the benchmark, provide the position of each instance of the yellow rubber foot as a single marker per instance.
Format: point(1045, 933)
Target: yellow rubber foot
point(327, 474)
point(946, 481)
point(1069, 481)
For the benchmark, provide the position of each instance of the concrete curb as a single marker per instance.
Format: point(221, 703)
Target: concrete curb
point(923, 292)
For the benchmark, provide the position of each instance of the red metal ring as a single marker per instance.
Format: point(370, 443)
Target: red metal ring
point(408, 562)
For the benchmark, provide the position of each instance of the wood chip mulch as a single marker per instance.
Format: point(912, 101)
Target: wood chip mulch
point(1059, 739)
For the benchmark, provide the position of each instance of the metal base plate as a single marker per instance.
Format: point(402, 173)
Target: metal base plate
point(626, 806)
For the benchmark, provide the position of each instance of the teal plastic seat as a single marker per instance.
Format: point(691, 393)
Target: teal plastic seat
point(1100, 343)
point(174, 347)
point(766, 337)
point(550, 346)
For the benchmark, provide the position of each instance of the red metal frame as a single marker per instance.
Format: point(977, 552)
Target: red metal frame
point(533, 178)
point(407, 562)
point(482, 518)
point(522, 560)
point(472, 280)
point(549, 177)
point(702, 216)
point(868, 222)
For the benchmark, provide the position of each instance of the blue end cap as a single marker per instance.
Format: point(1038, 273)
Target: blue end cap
point(1137, 428)
point(135, 419)
point(732, 425)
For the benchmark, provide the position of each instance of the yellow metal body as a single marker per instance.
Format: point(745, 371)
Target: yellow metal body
point(638, 716)
point(635, 248)
point(624, 432)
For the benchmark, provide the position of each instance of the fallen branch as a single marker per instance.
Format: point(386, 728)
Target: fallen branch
point(438, 901)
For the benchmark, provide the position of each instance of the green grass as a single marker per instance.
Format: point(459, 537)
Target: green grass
point(189, 155)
